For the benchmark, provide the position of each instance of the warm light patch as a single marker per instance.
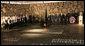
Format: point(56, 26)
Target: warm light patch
point(31, 35)
point(36, 30)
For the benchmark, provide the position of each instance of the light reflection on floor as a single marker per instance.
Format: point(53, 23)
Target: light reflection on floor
point(37, 30)
point(32, 35)
point(37, 35)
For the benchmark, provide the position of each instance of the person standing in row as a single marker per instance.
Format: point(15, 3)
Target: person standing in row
point(62, 16)
point(27, 17)
point(33, 19)
point(53, 18)
point(65, 17)
point(49, 19)
point(76, 17)
point(30, 19)
point(10, 22)
point(57, 18)
point(3, 21)
point(68, 16)
point(21, 18)
point(18, 21)
point(6, 22)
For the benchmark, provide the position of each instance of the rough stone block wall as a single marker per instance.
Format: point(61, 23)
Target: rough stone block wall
point(39, 9)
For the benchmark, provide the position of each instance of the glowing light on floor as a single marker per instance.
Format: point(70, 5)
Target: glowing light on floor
point(31, 35)
point(36, 30)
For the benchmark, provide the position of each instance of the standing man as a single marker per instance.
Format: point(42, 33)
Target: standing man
point(56, 18)
point(6, 22)
point(65, 19)
point(33, 19)
point(49, 19)
point(30, 19)
point(76, 17)
point(27, 17)
point(59, 18)
point(68, 16)
point(9, 23)
point(42, 21)
point(53, 18)
point(62, 18)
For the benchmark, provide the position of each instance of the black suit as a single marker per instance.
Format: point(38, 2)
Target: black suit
point(62, 19)
point(6, 25)
point(49, 19)
point(30, 19)
point(76, 17)
point(68, 16)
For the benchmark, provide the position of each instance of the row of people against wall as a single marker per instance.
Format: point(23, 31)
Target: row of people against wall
point(62, 18)
point(33, 19)
point(11, 21)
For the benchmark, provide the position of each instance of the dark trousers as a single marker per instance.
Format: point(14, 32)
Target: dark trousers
point(7, 26)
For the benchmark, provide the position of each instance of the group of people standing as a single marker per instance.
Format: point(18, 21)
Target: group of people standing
point(62, 18)
point(18, 20)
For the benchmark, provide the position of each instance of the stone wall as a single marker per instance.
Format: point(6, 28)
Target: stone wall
point(39, 9)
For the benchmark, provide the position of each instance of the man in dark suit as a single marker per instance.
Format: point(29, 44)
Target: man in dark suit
point(10, 22)
point(6, 22)
point(76, 17)
point(18, 21)
point(53, 18)
point(67, 17)
point(59, 18)
point(56, 18)
point(49, 19)
point(33, 19)
point(30, 19)
point(62, 18)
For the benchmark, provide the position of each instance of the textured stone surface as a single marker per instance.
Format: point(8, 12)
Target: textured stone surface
point(39, 9)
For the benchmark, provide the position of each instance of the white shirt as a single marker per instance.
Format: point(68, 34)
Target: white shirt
point(8, 21)
point(14, 19)
point(6, 18)
point(4, 21)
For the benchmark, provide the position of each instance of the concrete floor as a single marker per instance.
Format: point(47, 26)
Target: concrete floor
point(71, 34)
